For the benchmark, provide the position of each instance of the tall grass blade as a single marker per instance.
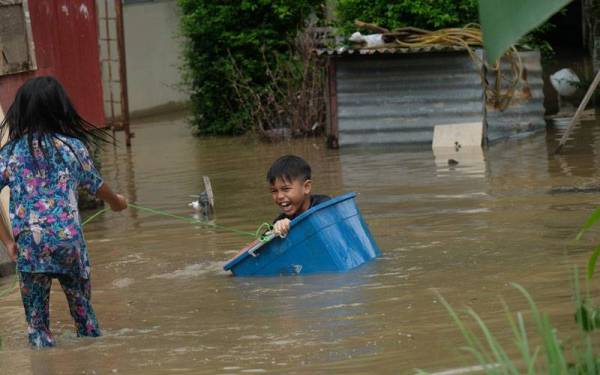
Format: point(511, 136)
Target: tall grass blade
point(521, 338)
point(554, 353)
point(531, 366)
point(591, 266)
point(495, 347)
point(592, 219)
point(475, 347)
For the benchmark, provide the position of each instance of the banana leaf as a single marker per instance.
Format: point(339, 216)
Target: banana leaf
point(504, 22)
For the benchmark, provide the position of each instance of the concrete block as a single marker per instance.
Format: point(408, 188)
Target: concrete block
point(458, 135)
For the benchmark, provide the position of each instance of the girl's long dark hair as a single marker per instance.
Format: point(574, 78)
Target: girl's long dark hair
point(41, 111)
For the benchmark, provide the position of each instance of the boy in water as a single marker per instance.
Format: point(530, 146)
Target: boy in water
point(289, 177)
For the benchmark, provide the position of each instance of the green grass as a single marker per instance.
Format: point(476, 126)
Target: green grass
point(549, 356)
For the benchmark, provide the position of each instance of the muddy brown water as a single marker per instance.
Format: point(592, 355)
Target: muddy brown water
point(466, 231)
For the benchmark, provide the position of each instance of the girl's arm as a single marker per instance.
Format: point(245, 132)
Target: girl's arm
point(117, 202)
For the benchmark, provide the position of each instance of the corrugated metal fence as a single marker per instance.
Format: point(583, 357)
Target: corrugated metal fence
point(384, 98)
point(526, 111)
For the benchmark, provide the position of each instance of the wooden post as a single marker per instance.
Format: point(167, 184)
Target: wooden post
point(123, 72)
point(209, 191)
point(331, 95)
point(578, 113)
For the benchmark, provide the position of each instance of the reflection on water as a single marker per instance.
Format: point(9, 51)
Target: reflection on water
point(465, 230)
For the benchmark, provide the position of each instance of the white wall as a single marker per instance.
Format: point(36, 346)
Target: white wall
point(153, 50)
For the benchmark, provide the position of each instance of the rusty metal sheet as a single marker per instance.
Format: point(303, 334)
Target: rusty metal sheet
point(526, 111)
point(68, 52)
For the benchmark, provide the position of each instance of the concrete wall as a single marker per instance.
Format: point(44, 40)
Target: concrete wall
point(153, 50)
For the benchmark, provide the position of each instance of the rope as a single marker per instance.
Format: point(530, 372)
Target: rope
point(196, 221)
point(100, 212)
point(264, 236)
point(261, 233)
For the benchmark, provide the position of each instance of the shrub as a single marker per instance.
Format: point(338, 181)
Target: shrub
point(293, 102)
point(219, 32)
point(426, 14)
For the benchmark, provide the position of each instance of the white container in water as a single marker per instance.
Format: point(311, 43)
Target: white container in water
point(565, 82)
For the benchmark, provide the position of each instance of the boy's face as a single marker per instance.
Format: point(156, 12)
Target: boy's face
point(292, 196)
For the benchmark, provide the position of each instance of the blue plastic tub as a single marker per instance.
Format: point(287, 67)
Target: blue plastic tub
point(329, 237)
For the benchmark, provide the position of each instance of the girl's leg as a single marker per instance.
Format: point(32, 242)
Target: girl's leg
point(35, 293)
point(79, 293)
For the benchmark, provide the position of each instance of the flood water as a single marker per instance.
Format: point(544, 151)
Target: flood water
point(167, 307)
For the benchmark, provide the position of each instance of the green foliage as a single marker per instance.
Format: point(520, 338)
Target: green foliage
point(219, 32)
point(592, 219)
point(426, 14)
point(536, 40)
point(547, 357)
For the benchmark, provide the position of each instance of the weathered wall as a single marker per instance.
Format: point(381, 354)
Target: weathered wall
point(68, 52)
point(153, 52)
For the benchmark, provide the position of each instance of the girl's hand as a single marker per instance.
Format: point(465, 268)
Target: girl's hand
point(12, 250)
point(281, 227)
point(119, 203)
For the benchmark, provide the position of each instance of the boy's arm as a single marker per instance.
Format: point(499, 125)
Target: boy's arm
point(116, 201)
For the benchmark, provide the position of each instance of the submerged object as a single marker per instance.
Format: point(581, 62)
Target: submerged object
point(205, 201)
point(329, 237)
point(202, 205)
point(565, 82)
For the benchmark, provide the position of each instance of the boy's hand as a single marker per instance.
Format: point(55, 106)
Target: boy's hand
point(281, 227)
point(12, 251)
point(119, 203)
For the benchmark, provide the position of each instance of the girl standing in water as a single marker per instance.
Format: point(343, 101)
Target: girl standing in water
point(43, 163)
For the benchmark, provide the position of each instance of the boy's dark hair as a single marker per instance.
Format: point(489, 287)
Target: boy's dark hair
point(288, 168)
point(42, 109)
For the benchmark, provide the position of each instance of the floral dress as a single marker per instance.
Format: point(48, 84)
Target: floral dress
point(43, 203)
point(47, 228)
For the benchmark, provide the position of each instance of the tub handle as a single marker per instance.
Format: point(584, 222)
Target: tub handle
point(268, 236)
